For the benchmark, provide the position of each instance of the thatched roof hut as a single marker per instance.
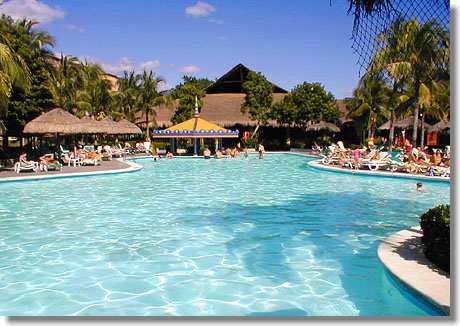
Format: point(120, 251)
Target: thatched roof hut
point(56, 121)
point(111, 127)
point(129, 127)
point(323, 125)
point(405, 123)
point(440, 126)
point(92, 126)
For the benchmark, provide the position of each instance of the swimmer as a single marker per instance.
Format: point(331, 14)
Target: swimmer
point(419, 187)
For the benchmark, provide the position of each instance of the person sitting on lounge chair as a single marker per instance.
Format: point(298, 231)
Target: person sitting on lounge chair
point(48, 162)
point(24, 165)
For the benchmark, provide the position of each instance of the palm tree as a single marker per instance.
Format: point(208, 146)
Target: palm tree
point(125, 100)
point(65, 82)
point(149, 96)
point(370, 99)
point(13, 72)
point(414, 51)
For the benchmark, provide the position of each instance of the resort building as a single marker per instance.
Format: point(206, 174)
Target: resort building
point(222, 106)
point(222, 103)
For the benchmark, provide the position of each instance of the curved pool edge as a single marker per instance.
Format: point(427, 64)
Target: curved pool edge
point(402, 255)
point(132, 167)
point(317, 165)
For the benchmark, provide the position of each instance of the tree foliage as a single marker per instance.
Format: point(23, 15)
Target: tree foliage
point(307, 102)
point(185, 93)
point(29, 50)
point(259, 97)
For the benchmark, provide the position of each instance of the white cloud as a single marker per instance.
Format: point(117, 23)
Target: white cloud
point(191, 69)
point(151, 65)
point(200, 9)
point(31, 9)
point(75, 28)
point(222, 38)
point(124, 64)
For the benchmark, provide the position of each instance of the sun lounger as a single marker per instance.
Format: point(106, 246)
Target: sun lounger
point(51, 167)
point(383, 161)
point(66, 159)
point(20, 167)
point(90, 161)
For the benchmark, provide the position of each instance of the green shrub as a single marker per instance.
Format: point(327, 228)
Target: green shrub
point(435, 224)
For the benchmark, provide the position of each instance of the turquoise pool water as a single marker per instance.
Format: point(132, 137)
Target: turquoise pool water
point(270, 237)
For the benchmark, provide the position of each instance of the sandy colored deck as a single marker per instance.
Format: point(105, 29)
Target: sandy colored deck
point(402, 254)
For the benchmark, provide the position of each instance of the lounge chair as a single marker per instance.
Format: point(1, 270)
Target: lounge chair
point(54, 166)
point(66, 159)
point(30, 166)
point(383, 161)
point(89, 161)
point(106, 156)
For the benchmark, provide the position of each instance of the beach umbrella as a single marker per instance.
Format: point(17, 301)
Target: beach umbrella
point(112, 127)
point(405, 123)
point(322, 125)
point(56, 121)
point(92, 126)
point(129, 127)
point(440, 126)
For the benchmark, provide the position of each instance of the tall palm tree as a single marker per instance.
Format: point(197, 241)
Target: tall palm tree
point(13, 72)
point(65, 82)
point(149, 96)
point(370, 99)
point(125, 100)
point(414, 51)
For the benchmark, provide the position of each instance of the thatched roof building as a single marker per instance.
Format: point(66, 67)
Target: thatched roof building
point(128, 127)
point(440, 126)
point(222, 103)
point(405, 123)
point(56, 121)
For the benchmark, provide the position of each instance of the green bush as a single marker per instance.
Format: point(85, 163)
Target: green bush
point(435, 224)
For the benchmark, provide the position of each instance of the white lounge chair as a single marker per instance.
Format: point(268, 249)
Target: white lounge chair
point(383, 161)
point(31, 166)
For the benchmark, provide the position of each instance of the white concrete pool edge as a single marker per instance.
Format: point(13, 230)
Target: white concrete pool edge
point(402, 256)
point(132, 167)
point(317, 165)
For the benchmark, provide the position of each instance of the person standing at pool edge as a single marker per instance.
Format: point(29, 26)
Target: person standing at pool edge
point(261, 151)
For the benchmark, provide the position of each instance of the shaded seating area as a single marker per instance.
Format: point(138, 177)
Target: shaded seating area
point(195, 129)
point(62, 125)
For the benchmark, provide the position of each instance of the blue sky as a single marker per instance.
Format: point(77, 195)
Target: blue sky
point(288, 41)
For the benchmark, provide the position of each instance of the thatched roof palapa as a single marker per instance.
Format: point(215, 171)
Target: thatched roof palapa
point(403, 124)
point(440, 126)
point(56, 121)
point(129, 127)
point(93, 126)
point(323, 125)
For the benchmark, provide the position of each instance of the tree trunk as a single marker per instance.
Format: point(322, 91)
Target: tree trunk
point(147, 130)
point(5, 142)
point(422, 131)
point(416, 112)
point(255, 131)
point(391, 136)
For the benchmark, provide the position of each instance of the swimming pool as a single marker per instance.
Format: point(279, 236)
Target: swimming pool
point(270, 237)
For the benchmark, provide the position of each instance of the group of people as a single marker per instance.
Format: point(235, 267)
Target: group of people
point(234, 153)
point(405, 158)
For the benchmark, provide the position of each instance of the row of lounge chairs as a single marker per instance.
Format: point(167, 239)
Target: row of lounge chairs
point(378, 159)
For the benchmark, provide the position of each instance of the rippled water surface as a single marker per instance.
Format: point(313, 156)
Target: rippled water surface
point(207, 237)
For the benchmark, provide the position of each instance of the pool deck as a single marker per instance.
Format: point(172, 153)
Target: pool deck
point(318, 165)
point(106, 167)
point(402, 254)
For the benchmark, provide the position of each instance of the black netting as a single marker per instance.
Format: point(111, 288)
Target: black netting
point(367, 27)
